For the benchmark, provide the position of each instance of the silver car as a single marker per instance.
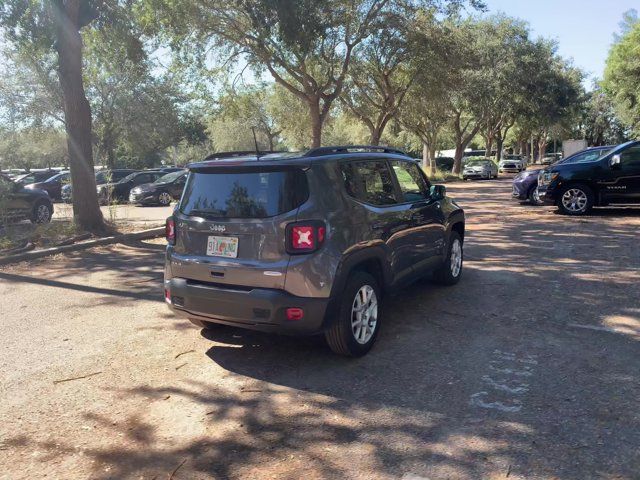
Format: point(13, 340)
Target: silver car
point(480, 169)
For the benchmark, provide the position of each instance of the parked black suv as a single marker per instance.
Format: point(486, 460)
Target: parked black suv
point(19, 203)
point(308, 243)
point(577, 186)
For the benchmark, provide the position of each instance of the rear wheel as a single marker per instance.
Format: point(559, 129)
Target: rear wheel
point(356, 328)
point(451, 270)
point(42, 213)
point(575, 200)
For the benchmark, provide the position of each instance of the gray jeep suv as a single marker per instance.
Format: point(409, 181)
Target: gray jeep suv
point(307, 243)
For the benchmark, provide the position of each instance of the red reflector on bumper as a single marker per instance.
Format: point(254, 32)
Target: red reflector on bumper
point(295, 314)
point(167, 295)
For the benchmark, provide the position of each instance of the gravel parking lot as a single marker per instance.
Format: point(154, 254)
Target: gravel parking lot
point(529, 368)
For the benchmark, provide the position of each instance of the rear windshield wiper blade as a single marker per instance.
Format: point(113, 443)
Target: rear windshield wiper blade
point(205, 213)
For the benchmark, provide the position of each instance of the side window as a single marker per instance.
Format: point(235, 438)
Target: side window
point(140, 179)
point(631, 158)
point(369, 182)
point(412, 183)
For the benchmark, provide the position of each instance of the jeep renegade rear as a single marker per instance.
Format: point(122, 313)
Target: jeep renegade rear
point(307, 243)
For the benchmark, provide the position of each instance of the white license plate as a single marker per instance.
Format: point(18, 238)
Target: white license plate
point(222, 246)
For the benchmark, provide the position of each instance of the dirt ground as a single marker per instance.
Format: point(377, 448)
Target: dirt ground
point(529, 368)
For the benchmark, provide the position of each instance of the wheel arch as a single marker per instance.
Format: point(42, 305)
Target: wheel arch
point(371, 260)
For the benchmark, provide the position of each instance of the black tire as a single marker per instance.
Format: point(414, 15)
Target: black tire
point(533, 197)
point(41, 213)
point(340, 335)
point(445, 274)
point(578, 208)
point(162, 199)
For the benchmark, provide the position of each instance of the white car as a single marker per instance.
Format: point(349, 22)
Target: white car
point(512, 164)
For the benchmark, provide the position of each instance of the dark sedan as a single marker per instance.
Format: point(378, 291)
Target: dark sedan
point(102, 177)
point(525, 184)
point(160, 192)
point(35, 177)
point(19, 203)
point(119, 191)
point(53, 186)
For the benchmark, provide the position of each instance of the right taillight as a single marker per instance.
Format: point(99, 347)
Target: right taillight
point(305, 237)
point(170, 231)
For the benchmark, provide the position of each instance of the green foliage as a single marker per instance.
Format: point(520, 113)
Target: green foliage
point(622, 77)
point(33, 148)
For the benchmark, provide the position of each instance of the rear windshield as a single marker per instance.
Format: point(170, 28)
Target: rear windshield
point(244, 194)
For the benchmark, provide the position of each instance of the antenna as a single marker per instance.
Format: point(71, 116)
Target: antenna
point(255, 141)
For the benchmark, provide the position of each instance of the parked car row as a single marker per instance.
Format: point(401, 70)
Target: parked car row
point(595, 177)
point(117, 185)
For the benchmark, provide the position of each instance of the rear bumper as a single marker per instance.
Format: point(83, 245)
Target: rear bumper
point(255, 309)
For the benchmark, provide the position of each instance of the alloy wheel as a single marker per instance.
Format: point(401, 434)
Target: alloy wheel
point(164, 198)
point(364, 314)
point(574, 200)
point(42, 214)
point(456, 258)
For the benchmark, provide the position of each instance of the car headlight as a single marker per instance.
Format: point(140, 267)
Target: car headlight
point(545, 178)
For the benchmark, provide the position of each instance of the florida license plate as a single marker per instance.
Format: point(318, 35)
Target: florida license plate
point(222, 246)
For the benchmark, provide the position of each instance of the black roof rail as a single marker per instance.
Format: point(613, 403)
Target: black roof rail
point(320, 151)
point(238, 153)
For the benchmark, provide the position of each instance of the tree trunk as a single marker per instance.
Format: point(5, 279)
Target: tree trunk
point(499, 145)
point(77, 113)
point(432, 159)
point(376, 133)
point(489, 145)
point(542, 147)
point(111, 156)
point(457, 158)
point(316, 123)
point(425, 156)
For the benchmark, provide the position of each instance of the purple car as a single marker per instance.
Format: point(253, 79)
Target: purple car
point(525, 184)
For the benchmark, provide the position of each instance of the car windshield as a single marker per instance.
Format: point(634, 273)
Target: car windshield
point(131, 176)
point(586, 156)
point(170, 177)
point(478, 163)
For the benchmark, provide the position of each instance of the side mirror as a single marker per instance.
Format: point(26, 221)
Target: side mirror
point(614, 162)
point(438, 192)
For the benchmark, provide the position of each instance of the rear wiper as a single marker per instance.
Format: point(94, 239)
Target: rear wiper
point(204, 213)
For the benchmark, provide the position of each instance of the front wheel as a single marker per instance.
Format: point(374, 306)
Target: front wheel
point(356, 328)
point(164, 199)
point(534, 197)
point(451, 270)
point(575, 200)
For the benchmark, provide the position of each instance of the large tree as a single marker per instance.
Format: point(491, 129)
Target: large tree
point(380, 76)
point(307, 46)
point(622, 76)
point(55, 26)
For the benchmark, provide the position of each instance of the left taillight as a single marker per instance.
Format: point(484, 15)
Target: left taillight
point(170, 231)
point(305, 237)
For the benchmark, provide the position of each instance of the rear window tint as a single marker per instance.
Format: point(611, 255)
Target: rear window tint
point(244, 194)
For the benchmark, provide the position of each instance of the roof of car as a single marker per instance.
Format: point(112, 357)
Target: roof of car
point(296, 158)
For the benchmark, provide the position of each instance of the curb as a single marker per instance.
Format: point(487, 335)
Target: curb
point(32, 255)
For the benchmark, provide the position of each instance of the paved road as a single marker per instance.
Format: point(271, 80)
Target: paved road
point(527, 369)
point(141, 216)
